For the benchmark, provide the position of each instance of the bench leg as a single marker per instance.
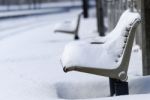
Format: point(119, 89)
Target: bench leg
point(118, 87)
point(121, 88)
point(76, 37)
point(112, 86)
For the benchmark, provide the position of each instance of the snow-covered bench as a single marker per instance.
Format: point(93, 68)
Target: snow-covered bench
point(108, 56)
point(70, 27)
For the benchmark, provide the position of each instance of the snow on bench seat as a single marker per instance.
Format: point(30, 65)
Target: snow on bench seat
point(66, 25)
point(86, 54)
point(69, 26)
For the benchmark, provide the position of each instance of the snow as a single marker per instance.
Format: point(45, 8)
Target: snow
point(68, 25)
point(84, 54)
point(30, 66)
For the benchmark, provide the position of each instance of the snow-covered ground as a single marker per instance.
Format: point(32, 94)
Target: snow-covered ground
point(30, 66)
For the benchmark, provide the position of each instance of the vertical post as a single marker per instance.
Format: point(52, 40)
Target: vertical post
point(121, 88)
point(146, 36)
point(85, 8)
point(100, 17)
point(112, 86)
point(118, 87)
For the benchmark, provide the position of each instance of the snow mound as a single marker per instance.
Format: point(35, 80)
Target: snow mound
point(82, 90)
point(99, 89)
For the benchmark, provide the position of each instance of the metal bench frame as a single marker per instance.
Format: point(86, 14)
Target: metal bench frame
point(118, 76)
point(121, 71)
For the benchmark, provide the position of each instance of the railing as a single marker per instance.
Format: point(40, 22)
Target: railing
point(113, 9)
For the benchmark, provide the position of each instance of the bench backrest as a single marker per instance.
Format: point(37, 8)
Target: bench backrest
point(120, 45)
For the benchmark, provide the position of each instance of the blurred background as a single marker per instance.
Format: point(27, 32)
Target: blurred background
point(106, 12)
point(30, 50)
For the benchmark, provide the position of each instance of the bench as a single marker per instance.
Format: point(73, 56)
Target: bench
point(70, 27)
point(108, 57)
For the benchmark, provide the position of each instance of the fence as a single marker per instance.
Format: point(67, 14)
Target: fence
point(114, 8)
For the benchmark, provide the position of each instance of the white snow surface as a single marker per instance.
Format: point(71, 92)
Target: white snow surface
point(30, 66)
point(67, 25)
point(83, 53)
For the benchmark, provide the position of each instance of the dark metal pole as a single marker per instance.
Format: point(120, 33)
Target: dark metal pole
point(100, 17)
point(146, 36)
point(118, 87)
point(112, 86)
point(85, 6)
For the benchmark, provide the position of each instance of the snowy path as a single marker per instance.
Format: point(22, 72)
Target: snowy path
point(30, 68)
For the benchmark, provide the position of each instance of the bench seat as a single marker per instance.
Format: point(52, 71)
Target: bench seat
point(69, 26)
point(86, 54)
